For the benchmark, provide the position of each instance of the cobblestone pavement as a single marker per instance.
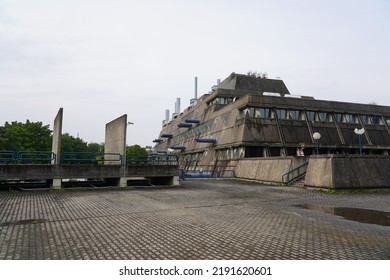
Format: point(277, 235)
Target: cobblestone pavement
point(200, 220)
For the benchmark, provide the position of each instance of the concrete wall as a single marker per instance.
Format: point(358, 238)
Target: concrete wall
point(266, 169)
point(115, 139)
point(319, 172)
point(341, 172)
point(57, 132)
point(43, 171)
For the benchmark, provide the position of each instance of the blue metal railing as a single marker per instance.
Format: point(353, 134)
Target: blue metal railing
point(7, 157)
point(76, 158)
point(26, 157)
point(101, 158)
point(165, 159)
point(207, 174)
point(295, 173)
point(137, 159)
point(36, 157)
point(90, 158)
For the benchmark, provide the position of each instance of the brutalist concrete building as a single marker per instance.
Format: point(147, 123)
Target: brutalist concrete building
point(249, 117)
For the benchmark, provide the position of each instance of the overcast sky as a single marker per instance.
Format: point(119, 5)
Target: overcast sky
point(100, 59)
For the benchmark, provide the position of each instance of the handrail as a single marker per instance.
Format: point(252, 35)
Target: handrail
point(166, 159)
point(286, 177)
point(71, 158)
point(77, 158)
point(7, 156)
point(137, 159)
point(207, 174)
point(35, 157)
point(101, 158)
point(89, 158)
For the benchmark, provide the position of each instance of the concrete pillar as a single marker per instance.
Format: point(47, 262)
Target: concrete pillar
point(123, 182)
point(175, 181)
point(115, 139)
point(56, 184)
point(56, 146)
point(57, 132)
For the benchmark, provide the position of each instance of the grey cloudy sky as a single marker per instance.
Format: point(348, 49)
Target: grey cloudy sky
point(100, 59)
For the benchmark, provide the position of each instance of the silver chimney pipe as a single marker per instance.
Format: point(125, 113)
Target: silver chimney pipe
point(177, 105)
point(218, 82)
point(166, 115)
point(196, 87)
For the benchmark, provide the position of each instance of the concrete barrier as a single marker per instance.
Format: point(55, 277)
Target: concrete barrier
point(319, 172)
point(346, 172)
point(160, 174)
point(266, 169)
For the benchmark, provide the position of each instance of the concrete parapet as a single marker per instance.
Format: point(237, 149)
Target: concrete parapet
point(319, 172)
point(56, 184)
point(342, 172)
point(37, 172)
point(266, 169)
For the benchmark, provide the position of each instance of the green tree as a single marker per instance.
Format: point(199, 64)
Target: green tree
point(136, 149)
point(29, 136)
point(95, 148)
point(71, 144)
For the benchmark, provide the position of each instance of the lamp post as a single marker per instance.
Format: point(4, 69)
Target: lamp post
point(359, 133)
point(317, 137)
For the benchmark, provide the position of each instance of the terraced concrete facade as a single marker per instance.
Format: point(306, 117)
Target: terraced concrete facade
point(253, 117)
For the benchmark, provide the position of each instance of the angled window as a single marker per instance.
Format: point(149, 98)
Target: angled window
point(310, 115)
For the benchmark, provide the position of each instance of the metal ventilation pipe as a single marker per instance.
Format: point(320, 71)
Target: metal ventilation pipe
point(218, 82)
point(167, 115)
point(196, 87)
point(177, 105)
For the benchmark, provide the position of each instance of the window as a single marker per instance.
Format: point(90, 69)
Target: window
point(321, 116)
point(310, 115)
point(366, 119)
point(349, 118)
point(294, 115)
point(377, 120)
point(258, 113)
point(254, 112)
point(339, 117)
point(281, 113)
point(226, 118)
point(266, 113)
point(238, 153)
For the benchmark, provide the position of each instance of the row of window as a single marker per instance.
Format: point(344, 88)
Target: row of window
point(223, 100)
point(224, 154)
point(231, 153)
point(313, 116)
point(250, 152)
point(286, 114)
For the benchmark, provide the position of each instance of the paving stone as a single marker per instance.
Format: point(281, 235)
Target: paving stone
point(200, 220)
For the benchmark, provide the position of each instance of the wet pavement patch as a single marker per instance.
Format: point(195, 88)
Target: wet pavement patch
point(23, 222)
point(367, 216)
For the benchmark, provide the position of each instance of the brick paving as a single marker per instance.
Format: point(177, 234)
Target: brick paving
point(200, 220)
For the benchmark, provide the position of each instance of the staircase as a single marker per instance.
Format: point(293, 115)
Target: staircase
point(295, 174)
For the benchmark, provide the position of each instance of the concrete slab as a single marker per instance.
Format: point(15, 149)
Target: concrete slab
point(200, 220)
